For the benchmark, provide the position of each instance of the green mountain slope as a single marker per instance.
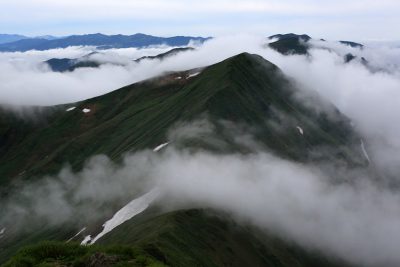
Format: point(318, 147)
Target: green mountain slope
point(180, 238)
point(54, 254)
point(209, 239)
point(245, 89)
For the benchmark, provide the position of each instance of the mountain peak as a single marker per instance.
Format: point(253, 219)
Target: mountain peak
point(290, 43)
point(249, 62)
point(304, 37)
point(246, 56)
point(245, 88)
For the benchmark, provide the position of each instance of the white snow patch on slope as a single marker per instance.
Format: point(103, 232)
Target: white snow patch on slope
point(133, 208)
point(364, 151)
point(86, 110)
point(86, 240)
point(178, 78)
point(2, 231)
point(158, 148)
point(71, 109)
point(193, 75)
point(80, 232)
point(300, 130)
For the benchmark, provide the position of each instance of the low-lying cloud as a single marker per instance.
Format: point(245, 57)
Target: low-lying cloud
point(294, 201)
point(26, 80)
point(369, 95)
point(357, 221)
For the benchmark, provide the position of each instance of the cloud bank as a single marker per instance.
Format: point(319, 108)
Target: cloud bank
point(369, 96)
point(26, 80)
point(298, 202)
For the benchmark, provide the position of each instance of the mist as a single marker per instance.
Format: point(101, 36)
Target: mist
point(296, 202)
point(368, 94)
point(356, 221)
point(27, 80)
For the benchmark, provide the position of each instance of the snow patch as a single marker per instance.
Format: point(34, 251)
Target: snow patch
point(80, 232)
point(71, 109)
point(86, 240)
point(178, 78)
point(86, 110)
point(364, 151)
point(2, 231)
point(193, 75)
point(158, 148)
point(300, 130)
point(133, 208)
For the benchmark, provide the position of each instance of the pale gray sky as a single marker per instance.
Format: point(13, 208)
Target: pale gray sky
point(334, 19)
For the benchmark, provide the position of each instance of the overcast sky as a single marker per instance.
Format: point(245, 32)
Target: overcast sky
point(332, 19)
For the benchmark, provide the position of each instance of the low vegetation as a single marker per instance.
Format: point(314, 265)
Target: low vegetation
point(57, 254)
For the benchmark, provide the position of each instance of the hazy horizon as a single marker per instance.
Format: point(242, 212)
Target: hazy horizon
point(359, 20)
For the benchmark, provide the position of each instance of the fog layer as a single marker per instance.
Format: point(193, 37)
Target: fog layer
point(356, 221)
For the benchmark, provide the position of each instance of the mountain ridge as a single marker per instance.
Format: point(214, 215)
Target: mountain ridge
point(229, 90)
point(9, 38)
point(245, 89)
point(99, 40)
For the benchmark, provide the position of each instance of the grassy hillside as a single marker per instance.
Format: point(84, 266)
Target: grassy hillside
point(246, 89)
point(210, 239)
point(180, 238)
point(55, 254)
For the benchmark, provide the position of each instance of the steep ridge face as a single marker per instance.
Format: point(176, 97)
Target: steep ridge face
point(244, 90)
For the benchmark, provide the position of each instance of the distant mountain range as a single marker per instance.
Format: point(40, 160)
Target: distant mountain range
point(9, 38)
point(18, 43)
point(284, 43)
